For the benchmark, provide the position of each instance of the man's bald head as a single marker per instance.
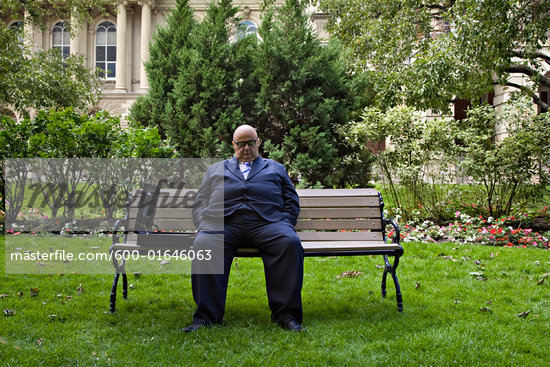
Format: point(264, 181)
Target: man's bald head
point(245, 129)
point(245, 143)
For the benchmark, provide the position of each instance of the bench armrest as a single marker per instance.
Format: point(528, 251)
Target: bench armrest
point(396, 236)
point(116, 228)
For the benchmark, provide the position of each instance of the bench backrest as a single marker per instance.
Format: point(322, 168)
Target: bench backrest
point(325, 215)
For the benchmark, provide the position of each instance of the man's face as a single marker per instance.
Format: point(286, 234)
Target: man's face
point(246, 143)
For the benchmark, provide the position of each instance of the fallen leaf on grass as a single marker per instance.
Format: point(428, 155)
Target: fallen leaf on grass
point(524, 314)
point(417, 285)
point(9, 312)
point(79, 289)
point(350, 274)
point(447, 257)
point(4, 295)
point(39, 341)
point(485, 310)
point(479, 275)
point(34, 292)
point(541, 282)
point(20, 294)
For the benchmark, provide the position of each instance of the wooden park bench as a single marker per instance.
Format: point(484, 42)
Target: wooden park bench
point(332, 222)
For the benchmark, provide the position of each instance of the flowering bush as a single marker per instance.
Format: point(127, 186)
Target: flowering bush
point(470, 229)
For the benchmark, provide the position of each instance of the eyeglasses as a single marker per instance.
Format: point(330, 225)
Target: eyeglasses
point(242, 144)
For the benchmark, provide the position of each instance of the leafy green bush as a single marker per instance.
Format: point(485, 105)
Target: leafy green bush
point(426, 159)
point(510, 170)
point(68, 134)
point(416, 169)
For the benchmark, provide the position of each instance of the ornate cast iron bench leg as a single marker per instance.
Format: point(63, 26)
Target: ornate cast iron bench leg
point(119, 269)
point(391, 269)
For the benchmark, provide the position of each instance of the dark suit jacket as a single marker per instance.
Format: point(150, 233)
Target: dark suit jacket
point(267, 190)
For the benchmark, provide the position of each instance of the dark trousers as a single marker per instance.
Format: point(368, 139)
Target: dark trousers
point(282, 255)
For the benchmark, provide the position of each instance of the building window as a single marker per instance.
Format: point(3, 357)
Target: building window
point(18, 27)
point(246, 28)
point(61, 39)
point(461, 108)
point(105, 49)
point(544, 97)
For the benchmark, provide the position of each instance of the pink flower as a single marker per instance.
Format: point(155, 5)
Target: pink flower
point(457, 214)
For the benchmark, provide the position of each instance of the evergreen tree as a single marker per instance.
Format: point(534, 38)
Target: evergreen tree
point(196, 93)
point(287, 84)
point(303, 97)
point(166, 52)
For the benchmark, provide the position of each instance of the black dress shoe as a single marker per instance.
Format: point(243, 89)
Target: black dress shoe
point(193, 327)
point(291, 324)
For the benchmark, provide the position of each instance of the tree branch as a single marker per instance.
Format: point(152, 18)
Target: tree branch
point(544, 57)
point(536, 99)
point(522, 69)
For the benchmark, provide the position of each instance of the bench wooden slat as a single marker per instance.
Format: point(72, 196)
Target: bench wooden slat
point(340, 236)
point(337, 224)
point(318, 236)
point(321, 202)
point(172, 213)
point(309, 246)
point(336, 192)
point(305, 213)
point(322, 236)
point(339, 213)
point(347, 245)
point(167, 225)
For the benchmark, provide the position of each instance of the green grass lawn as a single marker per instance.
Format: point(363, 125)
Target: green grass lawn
point(451, 317)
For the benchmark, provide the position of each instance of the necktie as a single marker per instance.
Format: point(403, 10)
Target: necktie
point(246, 170)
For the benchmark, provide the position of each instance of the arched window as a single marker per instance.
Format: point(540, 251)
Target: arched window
point(18, 26)
point(61, 39)
point(105, 49)
point(246, 28)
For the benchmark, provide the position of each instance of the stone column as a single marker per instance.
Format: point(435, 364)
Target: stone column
point(90, 44)
point(120, 84)
point(75, 40)
point(146, 7)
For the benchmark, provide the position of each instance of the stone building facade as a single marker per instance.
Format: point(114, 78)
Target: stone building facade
point(119, 42)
